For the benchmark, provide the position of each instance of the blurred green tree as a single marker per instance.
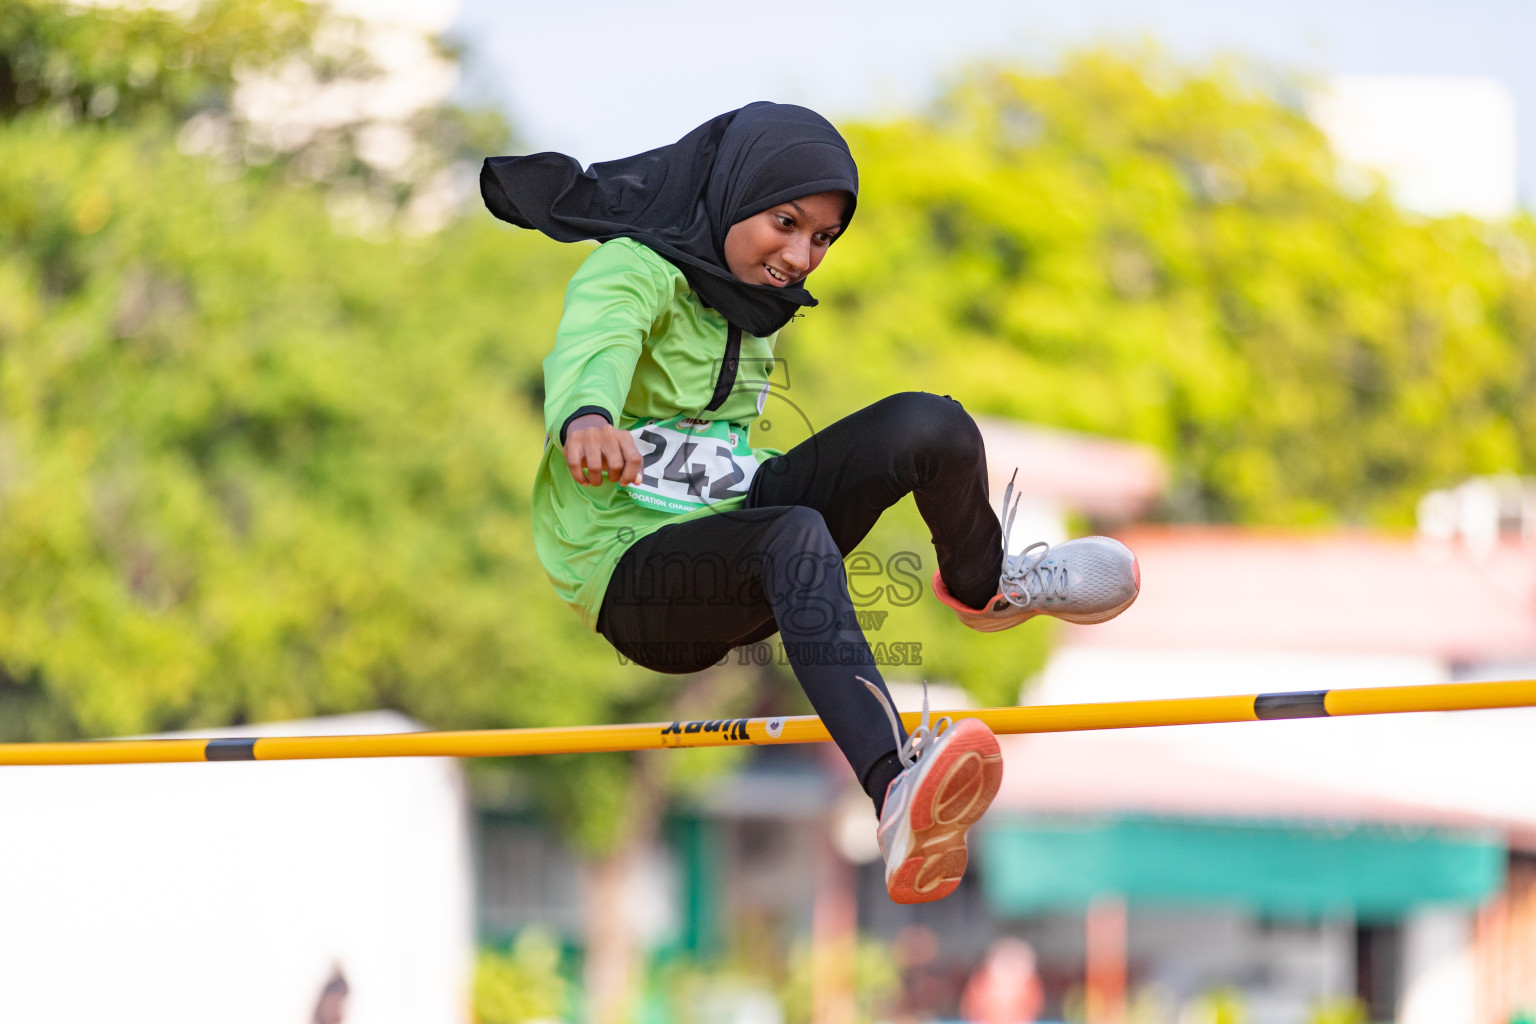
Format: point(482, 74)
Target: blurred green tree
point(120, 65)
point(1133, 248)
point(241, 480)
point(522, 984)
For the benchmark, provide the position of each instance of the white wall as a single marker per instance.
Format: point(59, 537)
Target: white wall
point(1445, 143)
point(229, 891)
point(1440, 984)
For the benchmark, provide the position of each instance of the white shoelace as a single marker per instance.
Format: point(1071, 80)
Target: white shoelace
point(1022, 569)
point(921, 737)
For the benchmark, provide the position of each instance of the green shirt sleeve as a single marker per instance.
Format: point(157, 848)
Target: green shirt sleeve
point(611, 306)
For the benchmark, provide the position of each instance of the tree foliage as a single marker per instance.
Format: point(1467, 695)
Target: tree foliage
point(522, 984)
point(243, 479)
point(1174, 255)
point(118, 65)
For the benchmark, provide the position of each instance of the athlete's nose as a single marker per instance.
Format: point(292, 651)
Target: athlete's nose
point(797, 255)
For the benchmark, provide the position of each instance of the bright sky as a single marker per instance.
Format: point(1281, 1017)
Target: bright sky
point(606, 78)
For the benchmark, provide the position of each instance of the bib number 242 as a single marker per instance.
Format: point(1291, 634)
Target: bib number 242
point(686, 464)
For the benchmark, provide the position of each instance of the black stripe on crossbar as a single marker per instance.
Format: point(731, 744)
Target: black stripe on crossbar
point(230, 750)
point(1301, 704)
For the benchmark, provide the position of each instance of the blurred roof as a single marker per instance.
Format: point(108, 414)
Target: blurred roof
point(1206, 587)
point(1076, 774)
point(1099, 477)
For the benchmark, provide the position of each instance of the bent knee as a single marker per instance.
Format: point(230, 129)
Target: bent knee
point(934, 423)
point(801, 528)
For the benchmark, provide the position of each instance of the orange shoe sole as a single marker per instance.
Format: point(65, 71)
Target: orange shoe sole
point(953, 796)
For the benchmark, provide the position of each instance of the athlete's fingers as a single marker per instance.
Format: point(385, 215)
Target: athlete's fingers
point(605, 458)
point(594, 460)
point(632, 461)
point(578, 459)
point(597, 452)
point(616, 456)
point(624, 458)
point(583, 443)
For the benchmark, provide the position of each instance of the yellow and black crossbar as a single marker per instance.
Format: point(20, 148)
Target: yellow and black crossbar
point(586, 739)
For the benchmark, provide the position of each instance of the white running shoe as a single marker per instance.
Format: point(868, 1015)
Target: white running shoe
point(947, 785)
point(1087, 580)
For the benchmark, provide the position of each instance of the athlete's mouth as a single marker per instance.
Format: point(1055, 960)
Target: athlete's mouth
point(777, 276)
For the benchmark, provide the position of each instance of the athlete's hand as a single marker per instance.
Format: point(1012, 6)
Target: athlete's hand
point(594, 447)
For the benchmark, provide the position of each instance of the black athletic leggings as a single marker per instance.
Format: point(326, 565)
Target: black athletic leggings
point(682, 597)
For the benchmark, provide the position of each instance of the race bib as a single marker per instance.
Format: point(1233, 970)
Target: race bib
point(686, 464)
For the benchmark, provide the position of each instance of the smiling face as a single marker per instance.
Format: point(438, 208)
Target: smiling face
point(784, 243)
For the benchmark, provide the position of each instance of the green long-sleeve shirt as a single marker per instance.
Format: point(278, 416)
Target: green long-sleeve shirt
point(636, 342)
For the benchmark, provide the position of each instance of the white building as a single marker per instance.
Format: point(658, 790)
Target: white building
point(236, 891)
point(1444, 143)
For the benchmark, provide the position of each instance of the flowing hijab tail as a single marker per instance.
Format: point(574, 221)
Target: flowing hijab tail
point(549, 192)
point(682, 199)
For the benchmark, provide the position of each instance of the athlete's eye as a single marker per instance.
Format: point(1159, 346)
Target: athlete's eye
point(785, 220)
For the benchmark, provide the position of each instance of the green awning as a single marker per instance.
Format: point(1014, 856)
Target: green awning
point(1033, 864)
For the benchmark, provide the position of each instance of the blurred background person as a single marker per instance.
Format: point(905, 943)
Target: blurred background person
point(1005, 988)
point(332, 1007)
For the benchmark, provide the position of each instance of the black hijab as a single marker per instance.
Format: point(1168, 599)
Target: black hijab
point(680, 200)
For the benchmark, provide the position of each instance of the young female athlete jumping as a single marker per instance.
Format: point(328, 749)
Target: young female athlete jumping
point(674, 538)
